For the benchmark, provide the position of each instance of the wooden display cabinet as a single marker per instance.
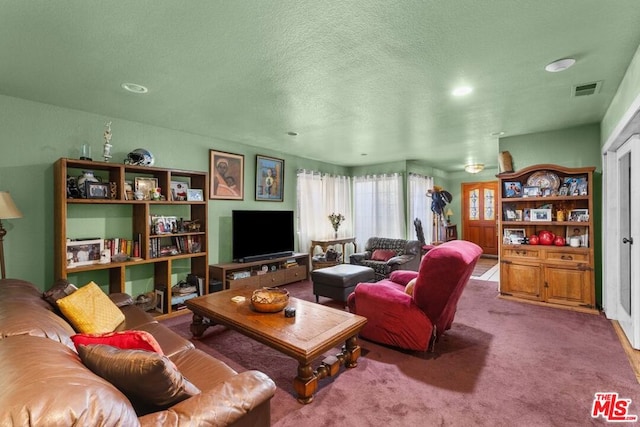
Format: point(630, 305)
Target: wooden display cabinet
point(264, 273)
point(140, 211)
point(559, 200)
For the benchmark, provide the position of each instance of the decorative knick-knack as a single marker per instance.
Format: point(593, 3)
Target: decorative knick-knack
point(87, 176)
point(107, 142)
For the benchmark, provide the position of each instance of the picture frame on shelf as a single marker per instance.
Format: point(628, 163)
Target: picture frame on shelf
point(581, 232)
point(579, 215)
point(146, 186)
point(512, 189)
point(84, 252)
point(540, 215)
point(576, 185)
point(531, 191)
point(509, 212)
point(526, 214)
point(226, 176)
point(513, 236)
point(518, 214)
point(547, 192)
point(195, 195)
point(179, 191)
point(269, 179)
point(97, 190)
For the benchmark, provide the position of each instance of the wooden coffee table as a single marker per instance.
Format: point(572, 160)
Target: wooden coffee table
point(314, 330)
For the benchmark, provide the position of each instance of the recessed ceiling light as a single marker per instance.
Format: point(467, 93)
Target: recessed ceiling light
point(560, 65)
point(134, 88)
point(292, 133)
point(462, 91)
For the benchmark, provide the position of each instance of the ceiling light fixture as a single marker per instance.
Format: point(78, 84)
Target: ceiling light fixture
point(560, 65)
point(474, 167)
point(462, 91)
point(134, 88)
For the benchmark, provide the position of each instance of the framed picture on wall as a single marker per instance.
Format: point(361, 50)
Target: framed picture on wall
point(269, 179)
point(226, 175)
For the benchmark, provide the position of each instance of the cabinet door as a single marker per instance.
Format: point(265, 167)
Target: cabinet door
point(567, 286)
point(520, 279)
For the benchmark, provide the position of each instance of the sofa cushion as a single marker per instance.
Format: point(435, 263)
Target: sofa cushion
point(126, 340)
point(150, 380)
point(383, 254)
point(90, 310)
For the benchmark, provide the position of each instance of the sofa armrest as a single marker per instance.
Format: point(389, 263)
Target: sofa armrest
point(358, 257)
point(222, 405)
point(399, 260)
point(121, 299)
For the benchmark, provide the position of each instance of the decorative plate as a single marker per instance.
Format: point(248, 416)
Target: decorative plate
point(544, 179)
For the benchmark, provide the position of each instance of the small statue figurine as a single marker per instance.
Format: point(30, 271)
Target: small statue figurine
point(107, 142)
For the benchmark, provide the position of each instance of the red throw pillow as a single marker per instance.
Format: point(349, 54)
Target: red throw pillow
point(383, 254)
point(125, 340)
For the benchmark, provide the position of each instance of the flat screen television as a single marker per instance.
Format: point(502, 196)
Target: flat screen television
point(259, 235)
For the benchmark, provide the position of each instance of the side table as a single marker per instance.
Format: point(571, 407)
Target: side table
point(324, 244)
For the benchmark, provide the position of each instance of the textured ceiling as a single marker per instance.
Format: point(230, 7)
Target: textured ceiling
point(350, 77)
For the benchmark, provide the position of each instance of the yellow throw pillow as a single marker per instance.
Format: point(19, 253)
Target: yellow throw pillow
point(90, 310)
point(409, 288)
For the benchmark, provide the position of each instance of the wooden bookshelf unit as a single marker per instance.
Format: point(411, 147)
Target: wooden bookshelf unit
point(264, 273)
point(74, 215)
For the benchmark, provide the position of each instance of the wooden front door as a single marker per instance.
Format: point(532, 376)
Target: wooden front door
point(479, 222)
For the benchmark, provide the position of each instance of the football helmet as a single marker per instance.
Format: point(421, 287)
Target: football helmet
point(140, 157)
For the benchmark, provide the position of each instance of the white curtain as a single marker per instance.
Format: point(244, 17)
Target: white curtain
point(378, 206)
point(320, 195)
point(420, 205)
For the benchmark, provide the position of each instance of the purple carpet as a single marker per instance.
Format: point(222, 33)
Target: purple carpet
point(503, 363)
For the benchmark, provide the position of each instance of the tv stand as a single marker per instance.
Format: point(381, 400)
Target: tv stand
point(262, 273)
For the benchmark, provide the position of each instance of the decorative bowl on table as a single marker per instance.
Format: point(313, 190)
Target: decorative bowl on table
point(269, 300)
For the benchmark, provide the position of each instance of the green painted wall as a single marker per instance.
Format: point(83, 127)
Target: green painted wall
point(33, 136)
point(573, 147)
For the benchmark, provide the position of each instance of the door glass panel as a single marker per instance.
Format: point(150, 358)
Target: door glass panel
point(489, 204)
point(474, 208)
point(624, 180)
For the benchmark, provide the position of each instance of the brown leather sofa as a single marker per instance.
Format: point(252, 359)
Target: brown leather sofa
point(43, 381)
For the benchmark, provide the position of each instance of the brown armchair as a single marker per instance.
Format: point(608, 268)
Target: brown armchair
point(385, 255)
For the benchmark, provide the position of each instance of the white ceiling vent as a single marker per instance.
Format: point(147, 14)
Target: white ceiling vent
point(586, 89)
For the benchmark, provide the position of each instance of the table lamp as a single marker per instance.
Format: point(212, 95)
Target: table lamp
point(8, 210)
point(449, 214)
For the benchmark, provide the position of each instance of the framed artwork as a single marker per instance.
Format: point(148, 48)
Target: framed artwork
point(84, 252)
point(195, 195)
point(579, 215)
point(531, 191)
point(179, 190)
point(540, 215)
point(512, 189)
point(513, 236)
point(146, 186)
point(510, 212)
point(96, 190)
point(226, 176)
point(269, 179)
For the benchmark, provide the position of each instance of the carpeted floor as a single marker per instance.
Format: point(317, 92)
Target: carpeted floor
point(503, 363)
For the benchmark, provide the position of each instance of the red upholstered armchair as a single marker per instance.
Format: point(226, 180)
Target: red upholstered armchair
point(415, 322)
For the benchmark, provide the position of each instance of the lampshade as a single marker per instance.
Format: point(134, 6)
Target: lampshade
point(449, 212)
point(474, 168)
point(8, 209)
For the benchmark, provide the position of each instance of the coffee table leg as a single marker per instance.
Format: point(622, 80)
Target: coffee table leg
point(198, 326)
point(306, 383)
point(351, 352)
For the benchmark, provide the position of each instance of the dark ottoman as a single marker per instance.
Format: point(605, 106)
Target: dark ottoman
point(339, 281)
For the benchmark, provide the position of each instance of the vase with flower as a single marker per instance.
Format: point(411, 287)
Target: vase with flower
point(336, 219)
